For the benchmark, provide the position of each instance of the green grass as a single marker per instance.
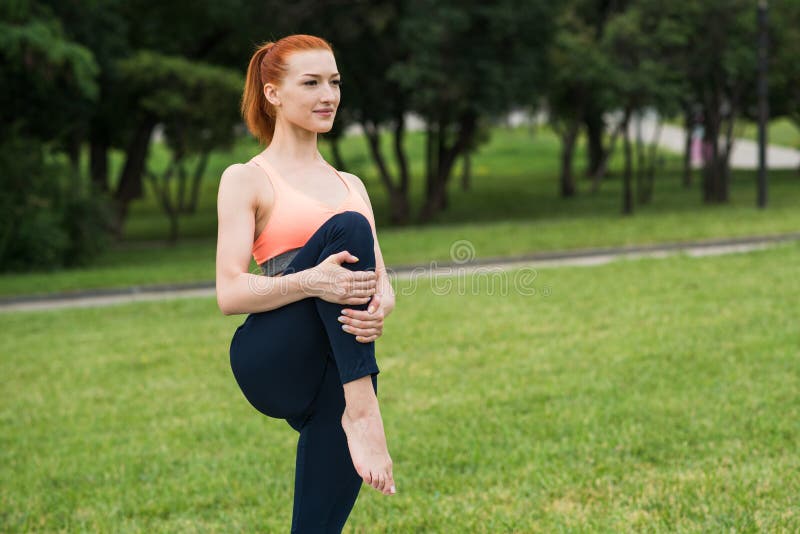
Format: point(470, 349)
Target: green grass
point(643, 395)
point(511, 208)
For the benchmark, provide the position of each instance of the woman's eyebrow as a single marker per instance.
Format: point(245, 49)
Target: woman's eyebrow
point(317, 75)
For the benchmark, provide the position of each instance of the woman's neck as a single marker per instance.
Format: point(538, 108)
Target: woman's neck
point(293, 145)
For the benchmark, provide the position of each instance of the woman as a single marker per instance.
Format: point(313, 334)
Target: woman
point(306, 351)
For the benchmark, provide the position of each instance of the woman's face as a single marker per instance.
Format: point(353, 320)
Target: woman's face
point(310, 85)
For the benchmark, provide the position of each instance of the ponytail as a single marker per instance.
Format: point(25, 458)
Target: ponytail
point(258, 113)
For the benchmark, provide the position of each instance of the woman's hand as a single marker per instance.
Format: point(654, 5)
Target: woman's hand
point(334, 283)
point(366, 325)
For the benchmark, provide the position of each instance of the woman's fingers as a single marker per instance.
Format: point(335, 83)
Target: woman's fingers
point(375, 322)
point(356, 300)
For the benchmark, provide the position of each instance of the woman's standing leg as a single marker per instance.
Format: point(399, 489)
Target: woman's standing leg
point(326, 484)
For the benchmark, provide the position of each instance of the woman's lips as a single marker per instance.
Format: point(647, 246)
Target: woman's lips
point(327, 113)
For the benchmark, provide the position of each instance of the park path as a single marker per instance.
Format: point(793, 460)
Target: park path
point(744, 153)
point(673, 138)
point(484, 266)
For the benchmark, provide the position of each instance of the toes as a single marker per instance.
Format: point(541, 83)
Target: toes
point(367, 477)
point(377, 480)
point(390, 487)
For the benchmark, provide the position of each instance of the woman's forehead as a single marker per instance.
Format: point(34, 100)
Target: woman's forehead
point(319, 62)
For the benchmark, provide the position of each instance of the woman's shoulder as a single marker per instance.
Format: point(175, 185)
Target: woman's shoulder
point(356, 182)
point(240, 171)
point(246, 180)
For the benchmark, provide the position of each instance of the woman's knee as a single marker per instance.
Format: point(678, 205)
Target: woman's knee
point(350, 227)
point(351, 219)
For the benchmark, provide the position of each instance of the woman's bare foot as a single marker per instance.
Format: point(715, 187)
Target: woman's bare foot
point(366, 439)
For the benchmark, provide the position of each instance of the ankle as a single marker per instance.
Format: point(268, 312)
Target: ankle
point(360, 410)
point(359, 396)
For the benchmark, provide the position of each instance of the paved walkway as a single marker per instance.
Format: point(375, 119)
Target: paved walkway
point(582, 257)
point(744, 153)
point(673, 138)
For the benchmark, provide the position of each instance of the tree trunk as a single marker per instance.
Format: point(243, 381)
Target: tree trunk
point(98, 164)
point(688, 127)
point(130, 182)
point(627, 191)
point(337, 154)
point(726, 157)
point(568, 140)
point(600, 173)
point(640, 159)
point(595, 128)
point(197, 179)
point(74, 152)
point(373, 136)
point(446, 159)
point(399, 205)
point(712, 171)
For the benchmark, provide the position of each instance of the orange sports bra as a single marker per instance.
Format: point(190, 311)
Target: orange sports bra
point(295, 217)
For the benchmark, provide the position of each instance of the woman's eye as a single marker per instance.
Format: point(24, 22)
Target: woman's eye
point(337, 82)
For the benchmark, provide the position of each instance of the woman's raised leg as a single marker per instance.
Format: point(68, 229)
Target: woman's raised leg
point(349, 231)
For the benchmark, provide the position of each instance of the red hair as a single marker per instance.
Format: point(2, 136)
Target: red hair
point(269, 64)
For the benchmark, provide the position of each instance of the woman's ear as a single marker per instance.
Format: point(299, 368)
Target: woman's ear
point(269, 94)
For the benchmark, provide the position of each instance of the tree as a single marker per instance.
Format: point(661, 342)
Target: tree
point(368, 45)
point(196, 103)
point(578, 75)
point(468, 61)
point(48, 82)
point(638, 43)
point(720, 64)
point(203, 31)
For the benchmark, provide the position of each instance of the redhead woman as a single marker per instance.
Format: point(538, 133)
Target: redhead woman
point(306, 351)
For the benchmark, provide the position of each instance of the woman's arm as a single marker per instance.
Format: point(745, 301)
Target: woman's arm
point(239, 291)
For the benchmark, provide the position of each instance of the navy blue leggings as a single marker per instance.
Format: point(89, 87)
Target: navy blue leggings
point(291, 362)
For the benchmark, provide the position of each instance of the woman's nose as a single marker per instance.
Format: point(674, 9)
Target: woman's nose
point(330, 93)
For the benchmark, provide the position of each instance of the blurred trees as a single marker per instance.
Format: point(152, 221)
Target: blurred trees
point(468, 62)
point(455, 64)
point(192, 101)
point(48, 83)
point(101, 75)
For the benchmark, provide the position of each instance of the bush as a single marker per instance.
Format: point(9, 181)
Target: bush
point(45, 224)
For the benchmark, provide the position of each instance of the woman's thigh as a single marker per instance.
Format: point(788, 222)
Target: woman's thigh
point(278, 358)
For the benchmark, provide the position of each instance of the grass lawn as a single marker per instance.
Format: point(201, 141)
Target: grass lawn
point(511, 208)
point(643, 395)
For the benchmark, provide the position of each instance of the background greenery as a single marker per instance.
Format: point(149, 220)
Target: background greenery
point(508, 209)
point(128, 111)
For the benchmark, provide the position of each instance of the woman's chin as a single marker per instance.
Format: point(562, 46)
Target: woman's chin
point(322, 129)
